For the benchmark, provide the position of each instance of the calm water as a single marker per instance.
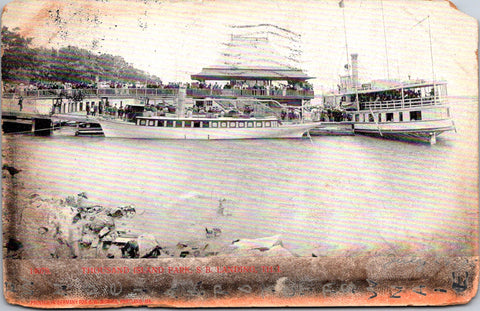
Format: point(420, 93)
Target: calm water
point(330, 195)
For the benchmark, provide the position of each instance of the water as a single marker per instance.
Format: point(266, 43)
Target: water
point(331, 195)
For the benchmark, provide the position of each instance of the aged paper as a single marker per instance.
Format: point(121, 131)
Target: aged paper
point(336, 218)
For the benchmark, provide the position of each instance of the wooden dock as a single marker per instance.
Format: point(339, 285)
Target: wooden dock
point(344, 128)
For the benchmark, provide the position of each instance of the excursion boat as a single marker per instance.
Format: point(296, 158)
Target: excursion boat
point(413, 110)
point(203, 128)
point(186, 125)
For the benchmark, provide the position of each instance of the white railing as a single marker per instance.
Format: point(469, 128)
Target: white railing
point(403, 104)
point(158, 92)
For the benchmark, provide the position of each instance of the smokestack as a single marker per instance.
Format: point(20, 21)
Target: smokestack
point(355, 70)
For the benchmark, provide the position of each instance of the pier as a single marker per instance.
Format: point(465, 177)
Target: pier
point(344, 128)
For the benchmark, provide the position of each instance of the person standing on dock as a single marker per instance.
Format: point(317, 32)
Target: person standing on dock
point(20, 103)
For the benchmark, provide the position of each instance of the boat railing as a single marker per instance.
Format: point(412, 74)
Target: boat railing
point(258, 93)
point(403, 104)
point(161, 92)
point(99, 92)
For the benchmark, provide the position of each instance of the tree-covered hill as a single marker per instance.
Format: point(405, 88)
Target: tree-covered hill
point(22, 63)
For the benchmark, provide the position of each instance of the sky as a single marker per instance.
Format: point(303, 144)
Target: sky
point(174, 39)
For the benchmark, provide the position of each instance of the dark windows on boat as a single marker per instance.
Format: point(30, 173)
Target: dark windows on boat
point(196, 123)
point(400, 116)
point(357, 118)
point(415, 115)
point(379, 117)
point(389, 117)
point(205, 124)
point(170, 123)
point(160, 123)
point(178, 123)
point(142, 122)
point(370, 118)
point(188, 123)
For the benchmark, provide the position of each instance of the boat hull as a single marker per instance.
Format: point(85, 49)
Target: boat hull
point(120, 129)
point(426, 130)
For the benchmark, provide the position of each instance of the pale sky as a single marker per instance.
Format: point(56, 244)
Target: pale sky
point(174, 39)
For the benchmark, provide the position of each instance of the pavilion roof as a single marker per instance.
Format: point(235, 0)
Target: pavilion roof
point(255, 73)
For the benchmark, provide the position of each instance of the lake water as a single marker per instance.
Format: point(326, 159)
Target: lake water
point(328, 195)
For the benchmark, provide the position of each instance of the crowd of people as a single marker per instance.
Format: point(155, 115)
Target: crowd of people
point(237, 85)
point(245, 85)
point(390, 95)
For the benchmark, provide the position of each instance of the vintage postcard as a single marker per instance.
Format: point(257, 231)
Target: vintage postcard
point(239, 153)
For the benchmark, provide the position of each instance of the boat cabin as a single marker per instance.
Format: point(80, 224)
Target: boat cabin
point(407, 102)
point(221, 123)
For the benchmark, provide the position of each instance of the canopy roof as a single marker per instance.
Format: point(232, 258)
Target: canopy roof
point(257, 73)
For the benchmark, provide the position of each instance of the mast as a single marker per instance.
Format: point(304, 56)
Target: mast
point(431, 58)
point(342, 6)
point(385, 37)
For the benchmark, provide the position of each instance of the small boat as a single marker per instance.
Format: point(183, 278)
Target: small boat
point(88, 129)
point(207, 126)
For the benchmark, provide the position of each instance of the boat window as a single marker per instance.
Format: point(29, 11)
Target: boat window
point(205, 124)
point(241, 124)
point(223, 124)
point(415, 115)
point(170, 123)
point(357, 118)
point(249, 124)
point(389, 117)
point(379, 117)
point(142, 122)
point(268, 124)
point(160, 123)
point(214, 124)
point(151, 122)
point(233, 124)
point(258, 124)
point(188, 123)
point(370, 118)
point(401, 117)
point(178, 124)
point(196, 123)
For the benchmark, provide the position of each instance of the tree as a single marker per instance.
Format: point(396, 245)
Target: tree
point(17, 57)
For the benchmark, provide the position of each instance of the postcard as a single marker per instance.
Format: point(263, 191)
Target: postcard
point(239, 153)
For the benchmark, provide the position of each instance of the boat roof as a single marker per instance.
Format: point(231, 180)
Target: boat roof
point(254, 73)
point(384, 86)
point(271, 118)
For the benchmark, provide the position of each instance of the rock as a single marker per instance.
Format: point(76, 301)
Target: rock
point(13, 245)
point(261, 244)
point(103, 232)
point(148, 246)
point(130, 250)
point(12, 170)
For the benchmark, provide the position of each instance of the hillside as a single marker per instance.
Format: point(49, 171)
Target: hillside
point(22, 63)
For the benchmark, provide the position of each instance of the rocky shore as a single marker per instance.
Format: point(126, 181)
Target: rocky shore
point(39, 225)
